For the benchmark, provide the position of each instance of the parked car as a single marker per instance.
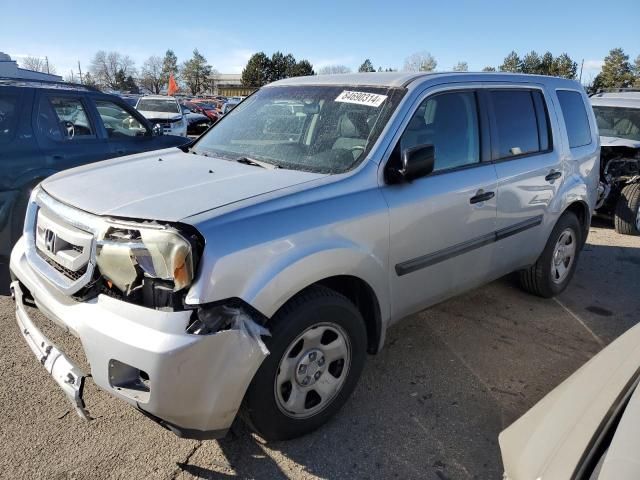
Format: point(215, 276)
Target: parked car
point(259, 266)
point(228, 106)
point(204, 108)
point(618, 117)
point(131, 100)
point(164, 111)
point(586, 428)
point(46, 127)
point(197, 123)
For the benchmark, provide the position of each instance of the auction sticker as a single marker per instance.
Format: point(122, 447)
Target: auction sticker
point(361, 98)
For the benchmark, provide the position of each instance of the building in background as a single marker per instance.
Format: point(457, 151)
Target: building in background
point(229, 85)
point(9, 68)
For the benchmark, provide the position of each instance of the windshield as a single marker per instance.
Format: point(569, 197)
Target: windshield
point(158, 105)
point(618, 122)
point(315, 128)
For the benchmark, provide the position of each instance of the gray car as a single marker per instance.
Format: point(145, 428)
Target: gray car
point(255, 270)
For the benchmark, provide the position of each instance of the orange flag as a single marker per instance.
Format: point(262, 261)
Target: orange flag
point(173, 86)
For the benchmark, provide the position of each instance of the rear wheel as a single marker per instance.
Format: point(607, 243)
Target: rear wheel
point(555, 267)
point(627, 215)
point(317, 352)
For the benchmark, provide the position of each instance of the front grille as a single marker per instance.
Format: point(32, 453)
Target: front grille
point(60, 242)
point(70, 274)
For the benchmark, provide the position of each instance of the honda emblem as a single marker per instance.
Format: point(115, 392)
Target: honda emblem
point(50, 240)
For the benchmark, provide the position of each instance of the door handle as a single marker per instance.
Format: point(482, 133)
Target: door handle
point(553, 175)
point(121, 151)
point(481, 196)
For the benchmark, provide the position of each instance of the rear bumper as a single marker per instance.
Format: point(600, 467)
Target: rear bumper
point(191, 384)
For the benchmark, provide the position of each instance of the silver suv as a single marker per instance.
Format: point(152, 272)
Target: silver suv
point(255, 270)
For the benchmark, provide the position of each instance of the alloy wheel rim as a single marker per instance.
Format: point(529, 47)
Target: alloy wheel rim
point(312, 370)
point(563, 256)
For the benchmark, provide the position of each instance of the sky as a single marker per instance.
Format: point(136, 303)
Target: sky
point(325, 32)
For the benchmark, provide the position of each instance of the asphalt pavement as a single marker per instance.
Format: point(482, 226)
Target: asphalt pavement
point(430, 405)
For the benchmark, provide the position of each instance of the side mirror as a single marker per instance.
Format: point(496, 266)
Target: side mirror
point(157, 130)
point(415, 162)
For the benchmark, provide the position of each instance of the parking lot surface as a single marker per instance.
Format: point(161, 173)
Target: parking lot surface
point(430, 405)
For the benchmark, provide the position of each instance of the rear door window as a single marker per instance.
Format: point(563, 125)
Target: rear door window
point(575, 118)
point(9, 109)
point(515, 124)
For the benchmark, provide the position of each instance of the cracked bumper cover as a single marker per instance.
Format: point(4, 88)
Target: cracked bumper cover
point(196, 382)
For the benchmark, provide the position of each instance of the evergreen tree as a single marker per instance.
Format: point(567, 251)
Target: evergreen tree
point(366, 66)
point(255, 73)
point(511, 63)
point(169, 66)
point(196, 72)
point(531, 63)
point(565, 66)
point(616, 71)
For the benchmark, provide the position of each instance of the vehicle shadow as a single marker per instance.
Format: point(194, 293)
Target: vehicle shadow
point(5, 280)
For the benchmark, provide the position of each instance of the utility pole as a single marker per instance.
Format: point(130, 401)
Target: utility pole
point(581, 65)
point(80, 71)
point(47, 60)
point(72, 79)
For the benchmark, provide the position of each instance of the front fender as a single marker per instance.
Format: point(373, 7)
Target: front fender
point(274, 286)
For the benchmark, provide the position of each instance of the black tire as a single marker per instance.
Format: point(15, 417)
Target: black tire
point(313, 306)
point(625, 218)
point(538, 279)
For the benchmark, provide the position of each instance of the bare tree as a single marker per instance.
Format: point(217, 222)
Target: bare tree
point(331, 69)
point(461, 67)
point(37, 64)
point(151, 74)
point(420, 62)
point(108, 67)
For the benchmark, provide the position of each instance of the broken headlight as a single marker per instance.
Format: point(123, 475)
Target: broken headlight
point(127, 255)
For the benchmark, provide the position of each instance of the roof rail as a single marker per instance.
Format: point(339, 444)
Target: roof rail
point(45, 83)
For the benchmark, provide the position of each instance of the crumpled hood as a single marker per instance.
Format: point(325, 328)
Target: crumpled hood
point(618, 142)
point(167, 185)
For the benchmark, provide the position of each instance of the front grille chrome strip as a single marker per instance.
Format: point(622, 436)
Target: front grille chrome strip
point(64, 279)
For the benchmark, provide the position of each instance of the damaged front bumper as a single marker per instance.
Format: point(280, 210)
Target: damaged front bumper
point(191, 384)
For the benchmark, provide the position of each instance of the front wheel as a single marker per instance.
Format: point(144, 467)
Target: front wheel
point(627, 215)
point(555, 267)
point(317, 351)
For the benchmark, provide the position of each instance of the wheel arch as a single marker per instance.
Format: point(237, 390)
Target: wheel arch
point(581, 210)
point(352, 273)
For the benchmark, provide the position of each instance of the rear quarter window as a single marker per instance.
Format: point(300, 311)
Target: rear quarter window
point(575, 118)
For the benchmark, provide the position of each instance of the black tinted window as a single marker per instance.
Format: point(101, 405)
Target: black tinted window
point(575, 118)
point(8, 116)
point(449, 122)
point(515, 121)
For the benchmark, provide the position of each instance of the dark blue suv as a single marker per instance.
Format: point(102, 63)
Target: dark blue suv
point(46, 127)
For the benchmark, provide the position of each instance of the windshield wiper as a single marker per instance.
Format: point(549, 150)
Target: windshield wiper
point(257, 163)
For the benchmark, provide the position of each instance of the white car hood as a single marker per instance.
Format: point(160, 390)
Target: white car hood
point(160, 115)
point(167, 185)
point(549, 440)
point(618, 142)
